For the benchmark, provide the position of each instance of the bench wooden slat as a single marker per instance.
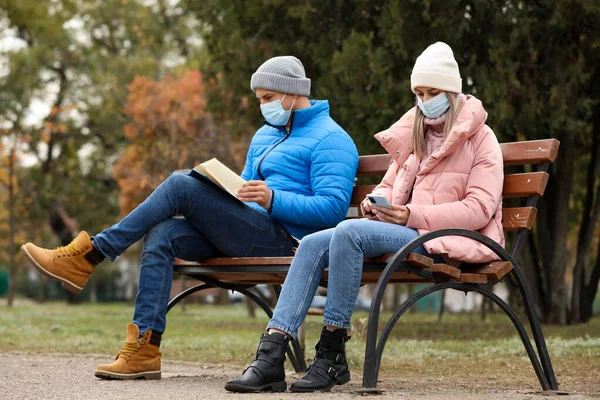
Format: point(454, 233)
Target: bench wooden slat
point(419, 260)
point(524, 185)
point(513, 153)
point(425, 262)
point(248, 278)
point(515, 185)
point(238, 261)
point(473, 278)
point(381, 259)
point(372, 165)
point(445, 270)
point(516, 218)
point(494, 271)
point(265, 261)
point(530, 152)
point(279, 278)
point(397, 277)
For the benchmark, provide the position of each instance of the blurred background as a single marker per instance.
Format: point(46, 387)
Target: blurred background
point(101, 100)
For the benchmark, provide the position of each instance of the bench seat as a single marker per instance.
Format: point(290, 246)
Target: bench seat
point(273, 270)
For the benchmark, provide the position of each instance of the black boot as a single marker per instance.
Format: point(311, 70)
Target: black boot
point(266, 372)
point(329, 367)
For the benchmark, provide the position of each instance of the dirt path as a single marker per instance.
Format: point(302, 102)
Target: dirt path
point(61, 376)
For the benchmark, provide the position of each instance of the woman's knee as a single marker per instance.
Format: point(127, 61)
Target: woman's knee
point(348, 229)
point(315, 241)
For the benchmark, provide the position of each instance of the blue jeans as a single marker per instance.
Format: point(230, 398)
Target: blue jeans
point(213, 224)
point(342, 249)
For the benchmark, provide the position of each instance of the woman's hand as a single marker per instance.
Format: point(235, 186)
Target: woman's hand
point(366, 208)
point(255, 192)
point(397, 215)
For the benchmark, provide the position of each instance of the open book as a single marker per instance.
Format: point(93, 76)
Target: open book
point(220, 174)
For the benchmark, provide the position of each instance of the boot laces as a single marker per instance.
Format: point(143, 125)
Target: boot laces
point(68, 251)
point(129, 349)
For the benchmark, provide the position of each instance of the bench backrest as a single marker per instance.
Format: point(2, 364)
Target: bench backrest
point(528, 185)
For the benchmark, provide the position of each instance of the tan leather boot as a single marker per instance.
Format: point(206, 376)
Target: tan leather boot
point(138, 359)
point(71, 264)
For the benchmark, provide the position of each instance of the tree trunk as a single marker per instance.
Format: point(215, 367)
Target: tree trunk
point(589, 289)
point(585, 236)
point(552, 234)
point(588, 293)
point(12, 265)
point(250, 307)
point(222, 298)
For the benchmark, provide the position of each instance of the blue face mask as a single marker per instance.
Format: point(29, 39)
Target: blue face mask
point(274, 112)
point(435, 107)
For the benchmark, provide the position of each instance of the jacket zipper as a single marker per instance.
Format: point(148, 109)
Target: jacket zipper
point(287, 135)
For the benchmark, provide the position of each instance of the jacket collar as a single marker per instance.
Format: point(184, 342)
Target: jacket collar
point(397, 140)
point(303, 117)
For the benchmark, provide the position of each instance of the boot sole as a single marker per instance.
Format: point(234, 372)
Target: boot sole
point(343, 380)
point(271, 387)
point(123, 377)
point(70, 286)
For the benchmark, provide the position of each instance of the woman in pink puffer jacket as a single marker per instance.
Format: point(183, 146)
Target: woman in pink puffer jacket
point(447, 172)
point(451, 179)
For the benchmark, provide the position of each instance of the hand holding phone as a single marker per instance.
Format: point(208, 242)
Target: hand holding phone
point(379, 200)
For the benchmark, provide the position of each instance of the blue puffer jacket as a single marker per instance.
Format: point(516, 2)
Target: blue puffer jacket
point(311, 169)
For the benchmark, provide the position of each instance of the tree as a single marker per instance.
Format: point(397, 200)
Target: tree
point(538, 70)
point(8, 185)
point(168, 130)
point(75, 58)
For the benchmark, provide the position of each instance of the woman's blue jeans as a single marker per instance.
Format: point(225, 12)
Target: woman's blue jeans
point(342, 249)
point(212, 224)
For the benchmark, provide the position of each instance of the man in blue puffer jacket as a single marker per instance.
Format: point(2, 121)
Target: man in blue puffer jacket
point(300, 170)
point(304, 157)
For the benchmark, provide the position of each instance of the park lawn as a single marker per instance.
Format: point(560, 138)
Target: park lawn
point(461, 345)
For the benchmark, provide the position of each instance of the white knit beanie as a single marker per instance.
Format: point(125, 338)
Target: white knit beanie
point(436, 68)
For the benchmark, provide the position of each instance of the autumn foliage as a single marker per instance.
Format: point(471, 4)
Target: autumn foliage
point(168, 130)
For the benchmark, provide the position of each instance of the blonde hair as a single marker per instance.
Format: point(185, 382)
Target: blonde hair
point(418, 135)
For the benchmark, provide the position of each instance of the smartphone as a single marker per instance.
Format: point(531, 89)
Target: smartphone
point(379, 200)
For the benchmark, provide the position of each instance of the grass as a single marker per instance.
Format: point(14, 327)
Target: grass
point(460, 345)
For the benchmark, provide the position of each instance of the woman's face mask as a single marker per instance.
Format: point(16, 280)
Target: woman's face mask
point(435, 107)
point(274, 113)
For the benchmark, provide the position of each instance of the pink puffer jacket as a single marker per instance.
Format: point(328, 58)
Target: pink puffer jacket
point(459, 186)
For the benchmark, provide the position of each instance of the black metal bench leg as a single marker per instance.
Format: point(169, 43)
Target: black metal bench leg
point(394, 319)
point(539, 371)
point(536, 327)
point(370, 371)
point(460, 286)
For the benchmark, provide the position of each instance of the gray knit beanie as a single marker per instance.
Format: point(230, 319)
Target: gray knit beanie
point(283, 74)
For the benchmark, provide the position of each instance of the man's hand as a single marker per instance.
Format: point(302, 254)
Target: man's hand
point(397, 215)
point(255, 192)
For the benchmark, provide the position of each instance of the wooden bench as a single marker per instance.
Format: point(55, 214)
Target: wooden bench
point(241, 274)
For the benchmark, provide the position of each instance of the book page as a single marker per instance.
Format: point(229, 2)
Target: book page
point(222, 175)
